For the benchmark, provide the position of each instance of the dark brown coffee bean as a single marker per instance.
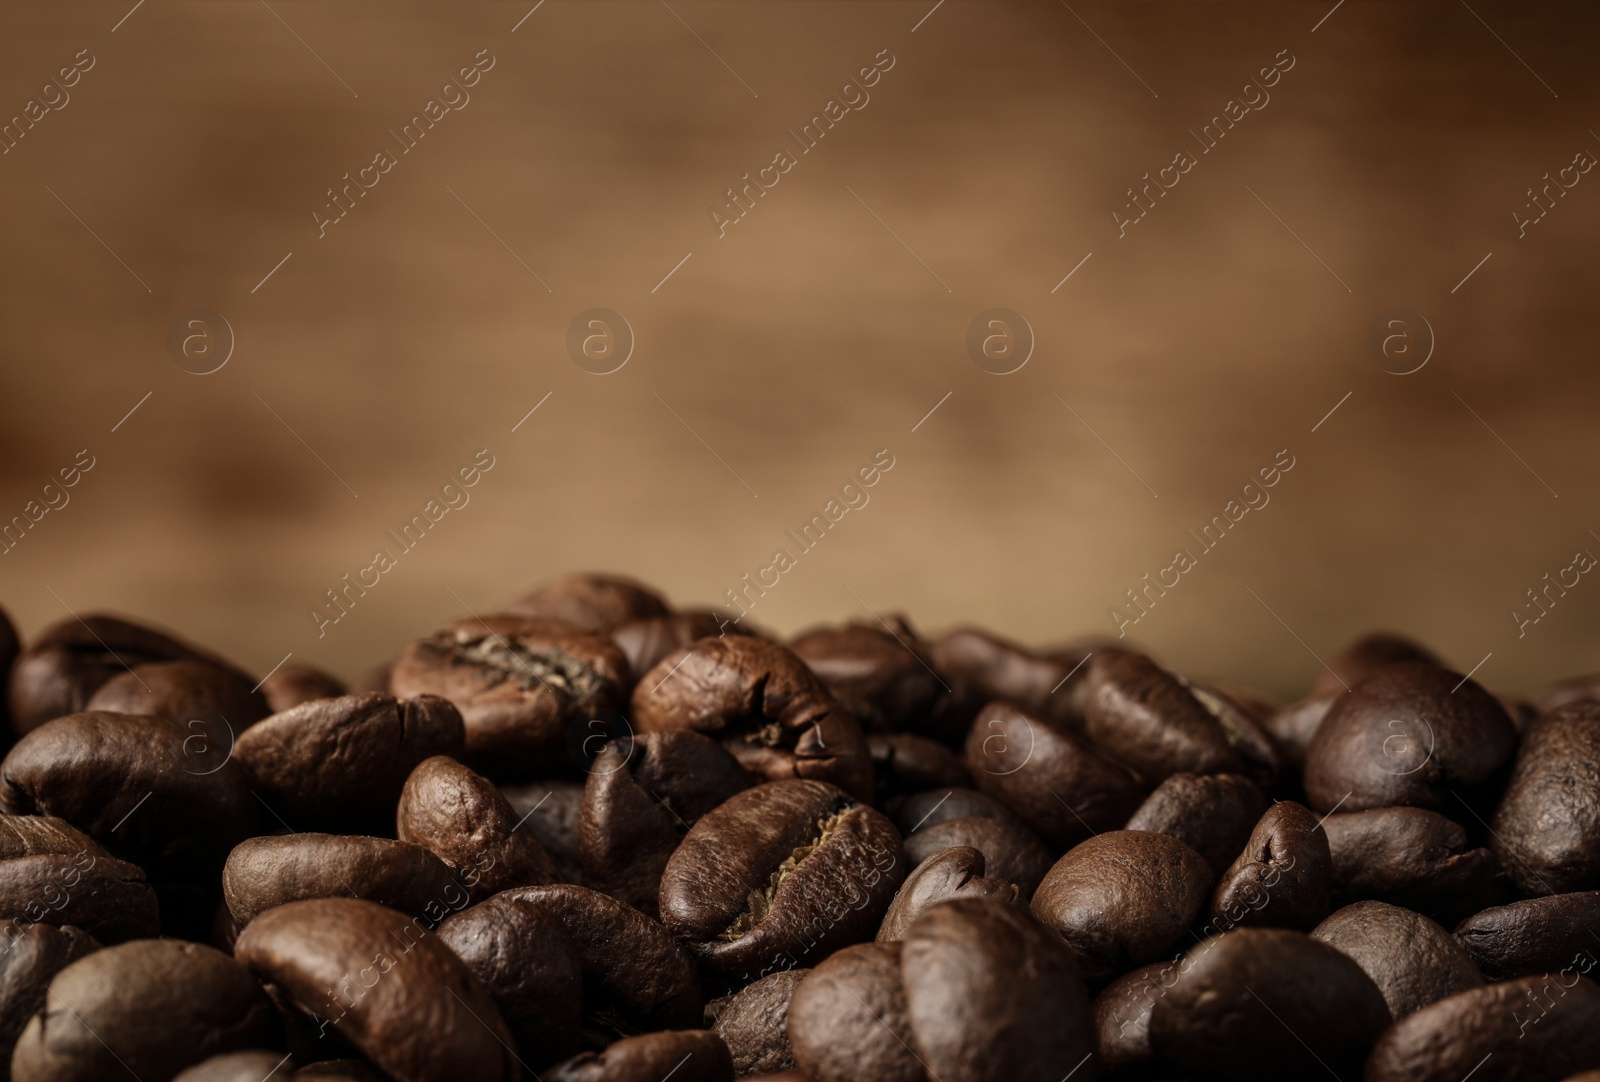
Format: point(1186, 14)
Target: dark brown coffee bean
point(648, 639)
point(521, 686)
point(28, 835)
point(288, 686)
point(30, 957)
point(1053, 780)
point(985, 667)
point(1213, 814)
point(847, 1019)
point(551, 810)
point(1295, 725)
point(523, 957)
point(1575, 689)
point(1539, 935)
point(689, 1055)
point(1361, 658)
point(339, 764)
point(1408, 734)
point(265, 872)
point(108, 898)
point(975, 968)
point(150, 1008)
point(1284, 877)
point(1547, 829)
point(238, 1067)
point(397, 993)
point(1412, 960)
point(937, 805)
point(778, 876)
point(205, 699)
point(10, 647)
point(904, 763)
point(755, 1024)
point(1532, 1029)
point(591, 602)
point(461, 818)
point(1123, 898)
point(765, 706)
point(1267, 1003)
point(1011, 854)
point(882, 673)
point(129, 783)
point(1409, 857)
point(340, 1070)
point(1122, 1018)
point(953, 873)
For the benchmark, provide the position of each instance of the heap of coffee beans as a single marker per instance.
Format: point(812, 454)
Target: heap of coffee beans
point(593, 838)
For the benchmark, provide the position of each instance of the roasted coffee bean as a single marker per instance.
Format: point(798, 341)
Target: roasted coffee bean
point(1213, 814)
point(340, 1070)
point(288, 686)
point(1053, 780)
point(265, 872)
point(648, 639)
point(1295, 725)
point(904, 763)
point(952, 873)
point(881, 672)
point(1123, 898)
point(1547, 829)
point(30, 957)
point(150, 1008)
point(1267, 1003)
point(1411, 734)
point(765, 706)
point(129, 783)
point(754, 1023)
point(524, 958)
point(397, 993)
point(1532, 1029)
point(10, 647)
point(108, 898)
point(1284, 877)
point(461, 818)
point(551, 810)
point(690, 1055)
point(1412, 960)
point(1011, 854)
point(1539, 935)
point(238, 1067)
point(28, 835)
point(1575, 689)
point(1364, 656)
point(1122, 1018)
point(212, 702)
point(985, 667)
point(780, 875)
point(520, 684)
point(591, 602)
point(339, 764)
point(976, 968)
point(937, 805)
point(847, 1019)
point(1412, 858)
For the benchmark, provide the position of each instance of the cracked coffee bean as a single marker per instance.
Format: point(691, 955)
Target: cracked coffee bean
point(1282, 879)
point(1547, 829)
point(882, 673)
point(1412, 960)
point(957, 872)
point(754, 1022)
point(1213, 814)
point(1534, 936)
point(262, 873)
point(589, 602)
point(1012, 854)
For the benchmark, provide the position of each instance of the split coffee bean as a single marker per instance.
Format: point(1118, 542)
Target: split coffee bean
point(951, 873)
point(1409, 857)
point(1534, 936)
point(1284, 877)
point(1012, 854)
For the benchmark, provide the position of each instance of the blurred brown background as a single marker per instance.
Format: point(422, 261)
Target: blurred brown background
point(776, 360)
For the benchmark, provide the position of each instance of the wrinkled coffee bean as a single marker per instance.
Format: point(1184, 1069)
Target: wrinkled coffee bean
point(754, 1023)
point(904, 763)
point(265, 872)
point(1412, 960)
point(1122, 1018)
point(780, 875)
point(1123, 898)
point(1213, 814)
point(396, 992)
point(1409, 857)
point(882, 673)
point(1053, 780)
point(237, 1067)
point(288, 686)
point(551, 810)
point(952, 873)
point(765, 706)
point(29, 960)
point(206, 699)
point(1284, 877)
point(1012, 854)
point(590, 602)
point(1267, 1003)
point(690, 1055)
point(648, 639)
point(1547, 829)
point(108, 898)
point(151, 1008)
point(1539, 935)
point(461, 818)
point(847, 1019)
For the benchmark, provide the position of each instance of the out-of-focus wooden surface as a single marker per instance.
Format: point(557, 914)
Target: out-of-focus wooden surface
point(779, 358)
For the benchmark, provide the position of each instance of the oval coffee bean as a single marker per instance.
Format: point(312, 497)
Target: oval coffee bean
point(1267, 1003)
point(461, 818)
point(236, 1067)
point(1123, 898)
point(1011, 854)
point(1409, 857)
point(951, 873)
point(31, 956)
point(340, 1070)
point(768, 709)
point(1361, 658)
point(108, 898)
point(288, 686)
point(847, 1019)
point(995, 668)
point(590, 602)
point(1539, 935)
point(936, 805)
point(262, 873)
point(204, 698)
point(1213, 814)
point(907, 763)
point(778, 876)
point(882, 673)
point(1284, 877)
point(755, 1024)
point(1412, 960)
point(28, 835)
point(151, 1007)
point(690, 1055)
point(397, 993)
point(1122, 1016)
point(1547, 829)
point(1294, 726)
point(648, 639)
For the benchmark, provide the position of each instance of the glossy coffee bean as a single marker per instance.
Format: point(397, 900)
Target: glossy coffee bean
point(984, 667)
point(754, 1023)
point(1267, 1003)
point(1282, 879)
point(396, 992)
point(30, 957)
point(764, 704)
point(1122, 1018)
point(691, 1055)
point(28, 835)
point(848, 1022)
point(1412, 960)
point(778, 876)
point(1059, 786)
point(238, 1067)
point(265, 872)
point(288, 686)
point(551, 810)
point(904, 763)
point(648, 639)
point(150, 1008)
point(461, 818)
point(1410, 734)
point(1535, 936)
point(1213, 814)
point(1532, 1029)
point(933, 806)
point(1123, 898)
point(109, 899)
point(205, 699)
point(951, 873)
point(974, 968)
point(1409, 857)
point(590, 602)
point(883, 673)
point(1011, 854)
point(1362, 657)
point(1547, 829)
